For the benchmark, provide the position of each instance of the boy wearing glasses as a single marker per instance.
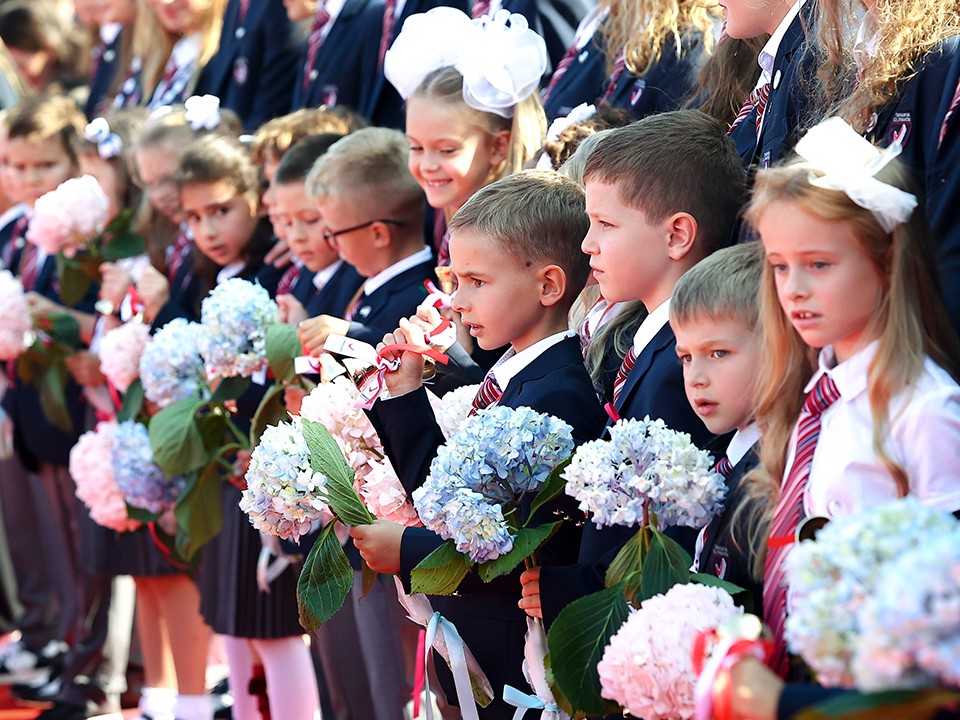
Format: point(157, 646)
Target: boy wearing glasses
point(373, 211)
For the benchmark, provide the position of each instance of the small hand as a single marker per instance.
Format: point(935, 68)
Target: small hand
point(154, 290)
point(313, 332)
point(379, 545)
point(293, 396)
point(530, 600)
point(409, 376)
point(240, 467)
point(292, 311)
point(41, 306)
point(279, 255)
point(114, 283)
point(84, 366)
point(751, 690)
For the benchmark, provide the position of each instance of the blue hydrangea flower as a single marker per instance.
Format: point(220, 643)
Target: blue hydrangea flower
point(171, 367)
point(235, 316)
point(139, 479)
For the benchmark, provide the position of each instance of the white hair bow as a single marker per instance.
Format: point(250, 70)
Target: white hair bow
point(500, 58)
point(109, 144)
point(202, 112)
point(840, 159)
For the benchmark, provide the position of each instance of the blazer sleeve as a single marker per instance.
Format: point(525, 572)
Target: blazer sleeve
point(412, 433)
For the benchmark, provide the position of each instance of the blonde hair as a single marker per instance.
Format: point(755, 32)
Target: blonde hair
point(907, 30)
point(723, 285)
point(278, 135)
point(527, 128)
point(643, 27)
point(910, 321)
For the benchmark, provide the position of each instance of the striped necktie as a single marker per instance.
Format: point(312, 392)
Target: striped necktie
point(629, 360)
point(386, 37)
point(724, 467)
point(490, 391)
point(789, 513)
point(314, 42)
point(287, 280)
point(15, 242)
point(615, 76)
point(758, 99)
point(561, 68)
point(29, 266)
point(177, 254)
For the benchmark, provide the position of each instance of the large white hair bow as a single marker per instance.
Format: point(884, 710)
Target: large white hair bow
point(202, 112)
point(500, 58)
point(840, 159)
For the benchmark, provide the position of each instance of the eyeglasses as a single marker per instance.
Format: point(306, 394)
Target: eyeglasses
point(331, 235)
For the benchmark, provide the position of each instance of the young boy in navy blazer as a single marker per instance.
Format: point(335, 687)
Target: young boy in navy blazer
point(514, 253)
point(714, 313)
point(372, 210)
point(662, 194)
point(254, 68)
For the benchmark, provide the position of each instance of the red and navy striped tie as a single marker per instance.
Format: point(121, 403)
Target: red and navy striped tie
point(623, 373)
point(758, 99)
point(314, 42)
point(490, 391)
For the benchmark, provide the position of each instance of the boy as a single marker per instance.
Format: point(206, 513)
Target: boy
point(514, 252)
point(714, 314)
point(662, 194)
point(328, 284)
point(372, 211)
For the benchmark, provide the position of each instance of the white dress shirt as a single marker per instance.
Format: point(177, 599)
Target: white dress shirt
point(651, 325)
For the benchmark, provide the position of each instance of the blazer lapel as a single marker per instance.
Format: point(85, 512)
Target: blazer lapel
point(645, 360)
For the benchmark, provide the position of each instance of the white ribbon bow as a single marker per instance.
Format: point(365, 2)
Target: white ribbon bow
point(202, 112)
point(534, 668)
point(840, 159)
point(109, 144)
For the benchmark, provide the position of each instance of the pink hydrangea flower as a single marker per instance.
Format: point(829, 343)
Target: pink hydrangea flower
point(66, 218)
point(15, 319)
point(120, 351)
point(92, 471)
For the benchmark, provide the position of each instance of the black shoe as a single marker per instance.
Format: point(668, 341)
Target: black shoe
point(20, 664)
point(64, 711)
point(40, 692)
point(222, 700)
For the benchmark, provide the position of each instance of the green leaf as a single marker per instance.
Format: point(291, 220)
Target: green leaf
point(51, 386)
point(368, 577)
point(714, 581)
point(283, 346)
point(271, 411)
point(552, 487)
point(628, 561)
point(666, 564)
point(440, 572)
point(229, 389)
point(64, 329)
point(899, 704)
point(124, 244)
point(177, 444)
point(212, 427)
point(132, 402)
point(576, 642)
point(74, 282)
point(324, 582)
point(327, 458)
point(141, 515)
point(525, 544)
point(198, 511)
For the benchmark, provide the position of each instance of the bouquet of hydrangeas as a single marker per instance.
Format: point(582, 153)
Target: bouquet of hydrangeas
point(647, 667)
point(283, 495)
point(92, 470)
point(831, 579)
point(171, 368)
point(479, 477)
point(384, 496)
point(66, 219)
point(15, 321)
point(453, 408)
point(140, 480)
point(120, 352)
point(235, 316)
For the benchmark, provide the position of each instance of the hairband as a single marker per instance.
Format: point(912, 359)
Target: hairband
point(500, 58)
point(109, 144)
point(840, 159)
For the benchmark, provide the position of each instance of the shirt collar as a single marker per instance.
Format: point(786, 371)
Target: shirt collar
point(322, 277)
point(333, 7)
point(768, 54)
point(186, 51)
point(13, 214)
point(742, 441)
point(109, 32)
point(850, 375)
point(230, 271)
point(651, 325)
point(382, 278)
point(511, 367)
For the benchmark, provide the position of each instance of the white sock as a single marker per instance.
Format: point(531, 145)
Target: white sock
point(194, 707)
point(158, 703)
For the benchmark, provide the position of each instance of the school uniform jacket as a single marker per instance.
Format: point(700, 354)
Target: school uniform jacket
point(584, 81)
point(383, 106)
point(255, 67)
point(334, 297)
point(788, 107)
point(927, 107)
point(344, 70)
point(654, 388)
point(103, 77)
point(487, 615)
point(379, 313)
point(183, 301)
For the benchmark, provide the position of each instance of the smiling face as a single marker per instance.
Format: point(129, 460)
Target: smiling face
point(720, 357)
point(827, 285)
point(299, 217)
point(221, 220)
point(449, 157)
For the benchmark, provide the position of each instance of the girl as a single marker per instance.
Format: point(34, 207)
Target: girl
point(44, 48)
point(900, 83)
point(879, 409)
point(219, 188)
point(642, 57)
point(111, 53)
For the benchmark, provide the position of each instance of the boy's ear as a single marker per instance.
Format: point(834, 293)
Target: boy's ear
point(682, 228)
point(553, 285)
point(381, 235)
point(500, 147)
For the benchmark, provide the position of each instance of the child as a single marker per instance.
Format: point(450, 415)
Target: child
point(372, 208)
point(111, 54)
point(460, 138)
point(42, 45)
point(899, 86)
point(329, 284)
point(220, 192)
point(662, 194)
point(515, 253)
point(714, 314)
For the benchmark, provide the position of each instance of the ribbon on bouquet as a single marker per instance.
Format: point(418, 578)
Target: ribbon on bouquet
point(469, 680)
point(534, 669)
point(737, 639)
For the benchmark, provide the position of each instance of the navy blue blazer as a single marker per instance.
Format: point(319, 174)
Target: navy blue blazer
point(103, 77)
point(789, 106)
point(487, 615)
point(917, 118)
point(383, 106)
point(379, 313)
point(344, 70)
point(336, 295)
point(584, 81)
point(254, 69)
point(183, 301)
point(654, 388)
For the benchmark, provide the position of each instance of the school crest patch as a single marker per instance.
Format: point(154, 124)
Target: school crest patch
point(901, 127)
point(638, 87)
